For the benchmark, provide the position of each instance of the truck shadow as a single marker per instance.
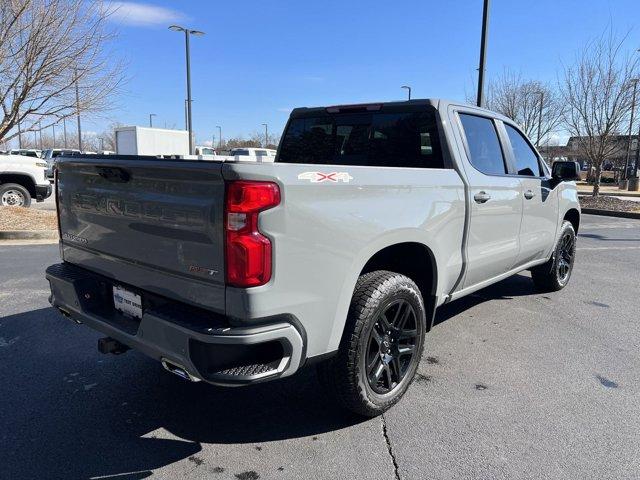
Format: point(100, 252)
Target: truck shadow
point(514, 286)
point(69, 412)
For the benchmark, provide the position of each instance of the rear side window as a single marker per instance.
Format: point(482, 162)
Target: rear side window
point(240, 152)
point(526, 159)
point(484, 146)
point(378, 139)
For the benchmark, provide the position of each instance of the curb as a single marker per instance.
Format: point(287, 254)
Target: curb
point(611, 194)
point(610, 213)
point(29, 235)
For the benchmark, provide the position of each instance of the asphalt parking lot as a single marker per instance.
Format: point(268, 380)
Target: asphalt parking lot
point(513, 384)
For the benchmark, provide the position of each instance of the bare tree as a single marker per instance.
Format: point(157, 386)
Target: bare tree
point(109, 136)
point(597, 91)
point(520, 100)
point(258, 140)
point(48, 49)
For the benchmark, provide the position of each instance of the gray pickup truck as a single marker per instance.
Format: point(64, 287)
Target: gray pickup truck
point(335, 255)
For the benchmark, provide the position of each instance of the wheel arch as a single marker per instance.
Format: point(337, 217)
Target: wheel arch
point(412, 259)
point(404, 244)
point(573, 216)
point(27, 181)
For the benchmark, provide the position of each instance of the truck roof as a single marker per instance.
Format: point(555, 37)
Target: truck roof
point(398, 105)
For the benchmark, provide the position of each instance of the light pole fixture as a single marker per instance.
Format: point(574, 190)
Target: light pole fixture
point(266, 135)
point(408, 90)
point(151, 115)
point(483, 51)
point(187, 33)
point(219, 136)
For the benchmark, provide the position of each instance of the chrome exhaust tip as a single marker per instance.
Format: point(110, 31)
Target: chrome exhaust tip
point(178, 370)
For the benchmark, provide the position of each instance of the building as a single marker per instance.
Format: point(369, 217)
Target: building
point(572, 151)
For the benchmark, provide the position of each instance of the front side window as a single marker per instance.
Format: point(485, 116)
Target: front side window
point(484, 146)
point(404, 139)
point(525, 158)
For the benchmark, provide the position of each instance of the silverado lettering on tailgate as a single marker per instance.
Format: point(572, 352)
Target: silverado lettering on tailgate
point(191, 217)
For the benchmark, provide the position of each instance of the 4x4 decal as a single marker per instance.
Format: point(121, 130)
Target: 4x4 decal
point(318, 177)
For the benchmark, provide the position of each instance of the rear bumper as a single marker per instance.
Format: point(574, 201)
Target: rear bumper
point(201, 343)
point(42, 192)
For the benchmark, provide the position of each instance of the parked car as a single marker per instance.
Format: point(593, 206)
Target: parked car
point(336, 255)
point(201, 150)
point(27, 152)
point(50, 155)
point(252, 152)
point(22, 178)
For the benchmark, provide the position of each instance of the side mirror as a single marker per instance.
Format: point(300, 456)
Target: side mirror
point(565, 171)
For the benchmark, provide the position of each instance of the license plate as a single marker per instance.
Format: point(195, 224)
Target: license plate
point(127, 302)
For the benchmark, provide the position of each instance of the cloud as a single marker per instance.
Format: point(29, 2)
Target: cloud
point(143, 14)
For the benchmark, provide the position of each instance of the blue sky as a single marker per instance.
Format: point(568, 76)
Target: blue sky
point(259, 59)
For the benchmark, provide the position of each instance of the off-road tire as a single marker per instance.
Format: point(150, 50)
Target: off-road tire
point(547, 277)
point(344, 375)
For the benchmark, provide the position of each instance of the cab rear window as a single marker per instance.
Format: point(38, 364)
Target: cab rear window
point(376, 139)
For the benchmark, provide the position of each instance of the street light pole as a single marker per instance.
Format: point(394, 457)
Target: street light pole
point(19, 136)
point(633, 108)
point(40, 133)
point(54, 135)
point(266, 135)
point(188, 56)
point(483, 49)
point(187, 33)
point(151, 115)
point(64, 130)
point(634, 181)
point(408, 90)
point(78, 113)
point(219, 136)
point(540, 118)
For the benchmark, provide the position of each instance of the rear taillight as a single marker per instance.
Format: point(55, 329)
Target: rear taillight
point(248, 252)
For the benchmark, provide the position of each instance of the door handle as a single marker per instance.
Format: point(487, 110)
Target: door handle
point(529, 194)
point(482, 197)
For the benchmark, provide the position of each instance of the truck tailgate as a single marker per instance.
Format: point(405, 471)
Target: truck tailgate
point(149, 223)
